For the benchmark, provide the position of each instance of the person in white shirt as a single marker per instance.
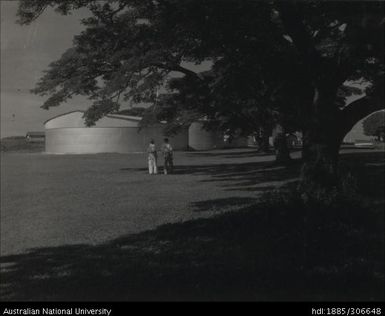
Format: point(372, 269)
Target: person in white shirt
point(152, 158)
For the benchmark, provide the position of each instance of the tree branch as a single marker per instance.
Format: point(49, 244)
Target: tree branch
point(178, 68)
point(27, 13)
point(293, 22)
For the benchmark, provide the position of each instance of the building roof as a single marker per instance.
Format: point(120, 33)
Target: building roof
point(52, 118)
point(125, 117)
point(115, 116)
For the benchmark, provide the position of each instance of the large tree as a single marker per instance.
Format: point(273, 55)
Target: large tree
point(286, 62)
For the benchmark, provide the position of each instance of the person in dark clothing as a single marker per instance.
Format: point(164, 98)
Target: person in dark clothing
point(168, 157)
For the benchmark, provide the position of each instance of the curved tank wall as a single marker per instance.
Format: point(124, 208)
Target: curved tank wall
point(76, 119)
point(200, 139)
point(357, 134)
point(236, 143)
point(102, 140)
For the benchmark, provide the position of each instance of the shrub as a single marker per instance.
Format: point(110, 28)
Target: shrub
point(332, 221)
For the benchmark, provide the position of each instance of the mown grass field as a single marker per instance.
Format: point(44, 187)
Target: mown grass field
point(98, 227)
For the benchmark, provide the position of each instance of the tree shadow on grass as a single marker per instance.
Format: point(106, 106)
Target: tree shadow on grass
point(228, 154)
point(210, 259)
point(255, 177)
point(251, 176)
point(252, 254)
point(246, 255)
point(223, 204)
point(369, 169)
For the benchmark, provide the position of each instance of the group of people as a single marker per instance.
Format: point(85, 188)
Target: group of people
point(167, 152)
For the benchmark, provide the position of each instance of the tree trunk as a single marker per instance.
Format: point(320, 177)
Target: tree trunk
point(322, 139)
point(318, 186)
point(320, 155)
point(265, 145)
point(263, 140)
point(282, 153)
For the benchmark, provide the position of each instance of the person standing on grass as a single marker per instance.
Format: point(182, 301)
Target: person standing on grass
point(168, 157)
point(152, 158)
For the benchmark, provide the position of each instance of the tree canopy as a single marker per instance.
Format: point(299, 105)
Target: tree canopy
point(292, 62)
point(263, 55)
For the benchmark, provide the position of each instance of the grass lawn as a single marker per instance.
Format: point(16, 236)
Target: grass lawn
point(98, 227)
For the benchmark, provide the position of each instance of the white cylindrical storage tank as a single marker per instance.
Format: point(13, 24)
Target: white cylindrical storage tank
point(357, 134)
point(67, 134)
point(201, 139)
point(94, 140)
point(178, 142)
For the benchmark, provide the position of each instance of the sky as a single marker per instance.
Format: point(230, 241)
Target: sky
point(26, 51)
